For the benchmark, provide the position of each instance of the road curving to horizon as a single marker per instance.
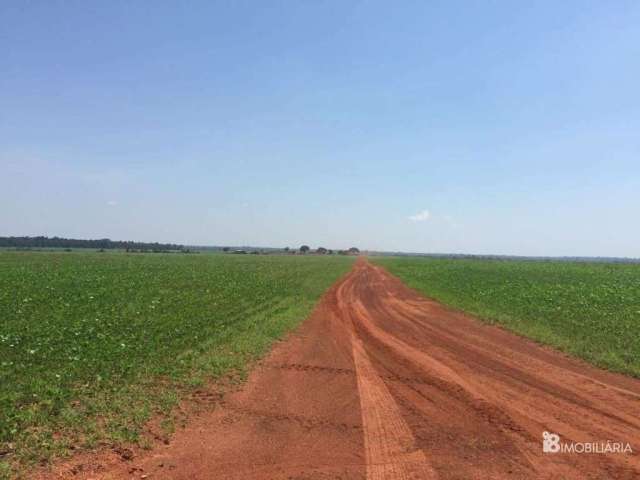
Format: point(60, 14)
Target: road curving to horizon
point(380, 383)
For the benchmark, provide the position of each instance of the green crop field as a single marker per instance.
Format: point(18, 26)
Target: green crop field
point(591, 310)
point(93, 344)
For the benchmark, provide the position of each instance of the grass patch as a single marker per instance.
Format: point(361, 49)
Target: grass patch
point(94, 344)
point(591, 310)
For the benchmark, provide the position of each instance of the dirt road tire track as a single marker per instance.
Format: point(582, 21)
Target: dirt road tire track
point(381, 383)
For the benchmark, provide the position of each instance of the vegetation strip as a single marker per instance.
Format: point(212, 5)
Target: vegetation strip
point(591, 310)
point(93, 344)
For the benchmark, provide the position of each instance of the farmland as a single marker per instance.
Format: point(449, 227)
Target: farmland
point(94, 344)
point(380, 383)
point(591, 310)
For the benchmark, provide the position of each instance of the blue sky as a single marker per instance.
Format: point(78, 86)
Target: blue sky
point(477, 127)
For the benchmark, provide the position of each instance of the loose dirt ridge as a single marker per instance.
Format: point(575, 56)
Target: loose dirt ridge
point(381, 383)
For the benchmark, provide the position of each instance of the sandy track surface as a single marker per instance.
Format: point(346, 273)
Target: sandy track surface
point(381, 383)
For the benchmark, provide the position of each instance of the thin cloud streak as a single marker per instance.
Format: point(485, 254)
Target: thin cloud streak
point(422, 216)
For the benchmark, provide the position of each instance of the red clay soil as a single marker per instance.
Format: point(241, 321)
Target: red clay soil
point(381, 383)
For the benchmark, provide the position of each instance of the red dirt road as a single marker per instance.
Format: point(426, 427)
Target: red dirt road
point(381, 383)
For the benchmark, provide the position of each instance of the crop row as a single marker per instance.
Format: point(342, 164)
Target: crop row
point(591, 310)
point(81, 332)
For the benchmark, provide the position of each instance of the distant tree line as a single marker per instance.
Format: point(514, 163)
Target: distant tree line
point(304, 249)
point(103, 243)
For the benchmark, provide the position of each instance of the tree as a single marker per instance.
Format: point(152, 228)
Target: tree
point(286, 249)
point(225, 249)
point(103, 243)
point(321, 250)
point(354, 251)
point(304, 249)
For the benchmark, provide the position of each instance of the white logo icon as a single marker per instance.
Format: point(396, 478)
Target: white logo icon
point(550, 442)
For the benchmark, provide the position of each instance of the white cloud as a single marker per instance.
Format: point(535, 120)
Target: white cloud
point(112, 203)
point(422, 216)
